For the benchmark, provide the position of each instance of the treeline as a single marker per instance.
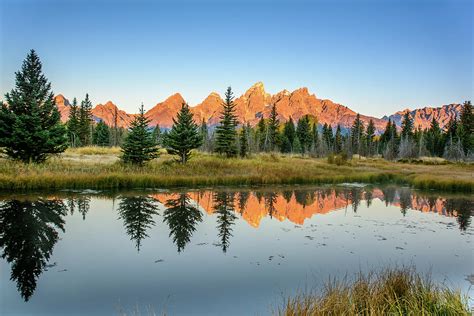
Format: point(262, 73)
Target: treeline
point(82, 130)
point(31, 130)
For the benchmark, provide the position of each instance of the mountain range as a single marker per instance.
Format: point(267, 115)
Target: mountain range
point(256, 102)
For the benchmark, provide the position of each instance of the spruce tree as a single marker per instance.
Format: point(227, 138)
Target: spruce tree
point(466, 122)
point(204, 132)
point(101, 135)
point(289, 130)
point(297, 146)
point(338, 140)
point(73, 124)
point(184, 135)
point(262, 133)
point(273, 127)
point(369, 138)
point(139, 145)
point(434, 139)
point(303, 133)
point(85, 121)
point(357, 135)
point(315, 137)
point(30, 126)
point(226, 135)
point(157, 134)
point(407, 126)
point(328, 137)
point(244, 143)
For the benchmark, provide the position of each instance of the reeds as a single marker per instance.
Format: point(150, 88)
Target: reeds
point(392, 291)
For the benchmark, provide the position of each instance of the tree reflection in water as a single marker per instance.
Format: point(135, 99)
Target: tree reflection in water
point(28, 233)
point(137, 214)
point(182, 218)
point(224, 206)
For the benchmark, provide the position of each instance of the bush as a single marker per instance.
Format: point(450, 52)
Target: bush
point(338, 160)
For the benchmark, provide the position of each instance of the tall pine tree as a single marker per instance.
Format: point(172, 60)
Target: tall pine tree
point(244, 141)
point(226, 135)
point(466, 123)
point(357, 135)
point(139, 146)
point(30, 127)
point(303, 133)
point(184, 135)
point(85, 121)
point(369, 138)
point(101, 134)
point(73, 125)
point(407, 126)
point(273, 127)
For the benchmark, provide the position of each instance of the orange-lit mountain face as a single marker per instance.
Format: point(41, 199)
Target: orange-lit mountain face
point(256, 102)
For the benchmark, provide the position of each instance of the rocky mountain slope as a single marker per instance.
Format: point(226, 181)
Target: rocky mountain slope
point(256, 102)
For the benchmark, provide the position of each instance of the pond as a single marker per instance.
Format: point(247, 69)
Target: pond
point(232, 251)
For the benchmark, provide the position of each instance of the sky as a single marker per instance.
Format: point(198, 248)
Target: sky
point(376, 57)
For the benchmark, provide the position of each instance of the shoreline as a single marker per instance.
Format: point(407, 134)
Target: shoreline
point(102, 170)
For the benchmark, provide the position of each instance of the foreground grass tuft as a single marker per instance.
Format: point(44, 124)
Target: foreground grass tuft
point(393, 291)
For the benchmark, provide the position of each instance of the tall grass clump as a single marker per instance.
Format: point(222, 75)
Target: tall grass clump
point(391, 291)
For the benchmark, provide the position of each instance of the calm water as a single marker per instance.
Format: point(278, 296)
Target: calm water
point(215, 252)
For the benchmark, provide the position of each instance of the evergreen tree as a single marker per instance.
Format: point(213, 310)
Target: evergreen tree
point(285, 145)
point(184, 135)
point(297, 146)
point(73, 124)
point(434, 139)
point(204, 132)
point(327, 137)
point(407, 126)
point(157, 134)
point(139, 145)
point(315, 140)
point(289, 131)
point(369, 138)
point(226, 135)
point(338, 140)
point(303, 133)
point(466, 122)
point(30, 126)
point(244, 143)
point(101, 135)
point(85, 121)
point(357, 135)
point(262, 134)
point(273, 127)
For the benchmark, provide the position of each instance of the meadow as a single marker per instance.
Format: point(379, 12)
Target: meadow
point(100, 168)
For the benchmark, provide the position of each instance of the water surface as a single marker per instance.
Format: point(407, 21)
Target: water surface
point(218, 251)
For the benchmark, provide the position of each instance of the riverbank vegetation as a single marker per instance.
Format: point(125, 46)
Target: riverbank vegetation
point(229, 154)
point(393, 291)
point(87, 168)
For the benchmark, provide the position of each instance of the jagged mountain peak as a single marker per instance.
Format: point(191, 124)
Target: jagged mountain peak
point(255, 103)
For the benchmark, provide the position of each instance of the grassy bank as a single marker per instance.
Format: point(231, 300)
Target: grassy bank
point(100, 169)
point(393, 291)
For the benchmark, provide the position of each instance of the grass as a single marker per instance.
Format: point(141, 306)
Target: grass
point(100, 168)
point(392, 291)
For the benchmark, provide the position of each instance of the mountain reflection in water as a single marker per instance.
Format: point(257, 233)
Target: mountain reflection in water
point(30, 226)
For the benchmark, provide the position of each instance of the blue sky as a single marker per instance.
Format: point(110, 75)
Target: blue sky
point(376, 57)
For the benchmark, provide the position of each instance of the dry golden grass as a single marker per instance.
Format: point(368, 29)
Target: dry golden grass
point(100, 168)
point(392, 291)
